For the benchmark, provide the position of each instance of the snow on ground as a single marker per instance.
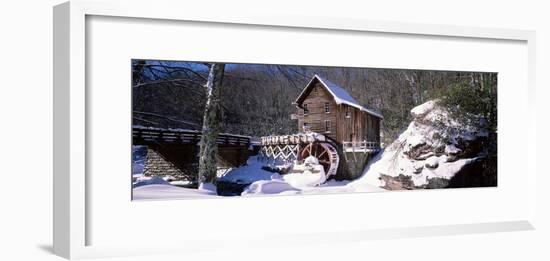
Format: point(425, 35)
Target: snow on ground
point(263, 187)
point(278, 187)
point(139, 154)
point(249, 173)
point(181, 183)
point(167, 191)
point(143, 181)
point(313, 174)
point(262, 183)
point(207, 187)
point(310, 181)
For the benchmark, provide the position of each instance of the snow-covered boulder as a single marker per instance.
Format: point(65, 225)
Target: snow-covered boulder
point(422, 110)
point(430, 152)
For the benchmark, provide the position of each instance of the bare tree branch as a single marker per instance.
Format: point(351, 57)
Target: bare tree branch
point(166, 117)
point(168, 81)
point(177, 68)
point(144, 120)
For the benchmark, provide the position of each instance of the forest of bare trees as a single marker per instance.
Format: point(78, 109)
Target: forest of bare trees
point(256, 100)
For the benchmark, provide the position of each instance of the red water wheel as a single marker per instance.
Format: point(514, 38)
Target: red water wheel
point(325, 154)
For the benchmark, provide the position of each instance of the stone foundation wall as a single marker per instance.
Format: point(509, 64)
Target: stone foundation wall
point(165, 162)
point(180, 160)
point(350, 166)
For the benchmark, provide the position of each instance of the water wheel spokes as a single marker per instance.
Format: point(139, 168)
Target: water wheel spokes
point(326, 155)
point(322, 153)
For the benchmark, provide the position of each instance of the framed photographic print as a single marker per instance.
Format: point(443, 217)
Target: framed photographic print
point(306, 129)
point(287, 130)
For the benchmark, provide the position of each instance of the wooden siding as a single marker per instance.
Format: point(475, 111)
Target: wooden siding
point(350, 128)
point(358, 126)
point(317, 116)
point(373, 128)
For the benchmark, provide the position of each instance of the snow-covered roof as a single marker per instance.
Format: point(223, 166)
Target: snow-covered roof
point(340, 95)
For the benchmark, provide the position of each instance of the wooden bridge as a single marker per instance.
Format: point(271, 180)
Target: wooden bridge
point(149, 135)
point(174, 152)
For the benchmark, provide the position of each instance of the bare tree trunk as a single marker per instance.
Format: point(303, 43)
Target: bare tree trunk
point(413, 83)
point(481, 81)
point(137, 72)
point(210, 126)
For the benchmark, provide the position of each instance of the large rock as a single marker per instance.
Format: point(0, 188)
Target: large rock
point(430, 152)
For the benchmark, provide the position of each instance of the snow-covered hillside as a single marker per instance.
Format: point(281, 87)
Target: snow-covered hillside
point(429, 153)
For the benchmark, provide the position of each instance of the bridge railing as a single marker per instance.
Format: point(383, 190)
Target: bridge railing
point(142, 135)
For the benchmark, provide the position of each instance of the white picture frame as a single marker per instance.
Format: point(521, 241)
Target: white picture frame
point(70, 197)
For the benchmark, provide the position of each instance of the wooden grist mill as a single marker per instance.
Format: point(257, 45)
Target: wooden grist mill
point(335, 129)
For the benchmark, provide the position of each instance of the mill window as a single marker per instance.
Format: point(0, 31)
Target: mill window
point(306, 126)
point(327, 126)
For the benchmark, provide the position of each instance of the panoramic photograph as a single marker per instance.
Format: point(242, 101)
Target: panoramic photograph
point(212, 129)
